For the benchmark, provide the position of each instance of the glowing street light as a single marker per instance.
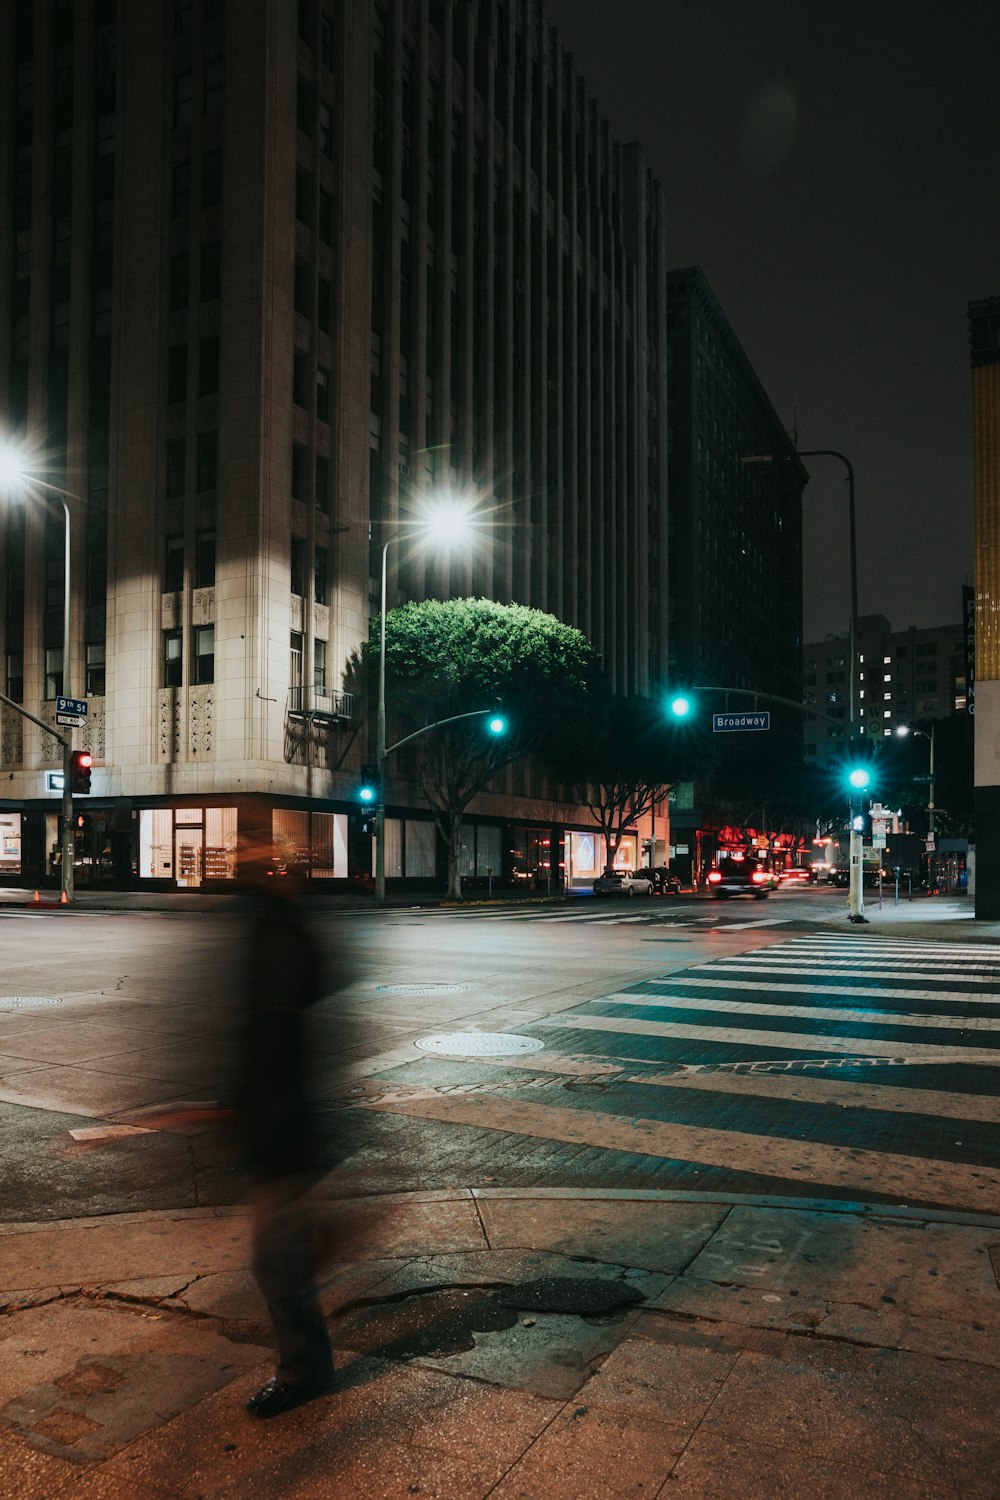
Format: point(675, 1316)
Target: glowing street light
point(680, 706)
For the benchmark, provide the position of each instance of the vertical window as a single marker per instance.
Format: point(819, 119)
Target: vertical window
point(173, 565)
point(303, 288)
point(95, 653)
point(179, 276)
point(326, 41)
point(53, 674)
point(298, 565)
point(204, 560)
point(324, 303)
point(295, 660)
point(212, 95)
point(303, 197)
point(322, 483)
point(183, 97)
point(204, 653)
point(322, 393)
point(173, 665)
point(299, 387)
point(176, 373)
point(208, 366)
point(326, 130)
point(210, 272)
point(180, 190)
point(183, 16)
point(326, 217)
point(208, 460)
point(320, 576)
point(319, 666)
point(299, 471)
point(175, 467)
point(15, 676)
point(211, 179)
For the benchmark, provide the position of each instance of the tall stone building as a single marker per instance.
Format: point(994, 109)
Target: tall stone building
point(270, 273)
point(984, 333)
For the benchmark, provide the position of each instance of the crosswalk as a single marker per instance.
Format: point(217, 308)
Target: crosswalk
point(580, 911)
point(829, 1064)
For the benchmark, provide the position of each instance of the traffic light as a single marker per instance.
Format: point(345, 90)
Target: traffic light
point(859, 778)
point(79, 772)
point(497, 725)
point(368, 786)
point(680, 706)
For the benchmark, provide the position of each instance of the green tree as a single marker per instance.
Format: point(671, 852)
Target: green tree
point(458, 656)
point(629, 759)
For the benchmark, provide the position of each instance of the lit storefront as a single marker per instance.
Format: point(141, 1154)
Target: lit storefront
point(10, 846)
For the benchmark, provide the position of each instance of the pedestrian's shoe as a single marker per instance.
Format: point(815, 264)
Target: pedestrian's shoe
point(277, 1396)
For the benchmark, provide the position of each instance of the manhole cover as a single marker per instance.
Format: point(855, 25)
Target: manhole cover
point(479, 1044)
point(24, 1002)
point(419, 989)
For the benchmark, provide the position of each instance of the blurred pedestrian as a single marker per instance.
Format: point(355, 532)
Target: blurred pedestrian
point(283, 980)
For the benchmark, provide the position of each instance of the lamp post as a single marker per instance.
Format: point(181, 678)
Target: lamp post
point(15, 476)
point(451, 519)
point(855, 897)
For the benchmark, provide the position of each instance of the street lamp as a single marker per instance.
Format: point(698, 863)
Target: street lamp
point(17, 478)
point(855, 898)
point(446, 519)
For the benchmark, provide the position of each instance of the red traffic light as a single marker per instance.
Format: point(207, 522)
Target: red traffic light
point(79, 772)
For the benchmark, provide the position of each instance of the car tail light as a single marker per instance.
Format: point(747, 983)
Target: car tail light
point(758, 877)
point(714, 877)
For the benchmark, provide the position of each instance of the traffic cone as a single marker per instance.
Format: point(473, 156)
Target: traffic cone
point(36, 899)
point(63, 899)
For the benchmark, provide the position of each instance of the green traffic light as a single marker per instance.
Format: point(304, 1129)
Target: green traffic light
point(859, 778)
point(366, 794)
point(680, 707)
point(497, 725)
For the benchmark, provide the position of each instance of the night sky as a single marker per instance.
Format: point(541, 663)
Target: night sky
point(834, 168)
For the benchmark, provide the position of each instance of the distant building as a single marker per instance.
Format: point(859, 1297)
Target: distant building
point(984, 338)
point(904, 677)
point(735, 506)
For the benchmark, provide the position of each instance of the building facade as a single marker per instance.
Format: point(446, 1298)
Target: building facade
point(273, 272)
point(984, 334)
point(905, 677)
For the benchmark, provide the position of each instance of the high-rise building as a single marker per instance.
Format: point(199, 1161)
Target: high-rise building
point(905, 677)
point(984, 333)
point(271, 272)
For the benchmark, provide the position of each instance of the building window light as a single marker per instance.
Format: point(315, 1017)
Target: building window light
point(887, 677)
point(887, 713)
point(886, 660)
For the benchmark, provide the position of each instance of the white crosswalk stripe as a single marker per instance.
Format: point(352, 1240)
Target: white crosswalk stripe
point(820, 1060)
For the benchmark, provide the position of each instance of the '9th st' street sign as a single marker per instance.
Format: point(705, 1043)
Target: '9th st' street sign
point(756, 720)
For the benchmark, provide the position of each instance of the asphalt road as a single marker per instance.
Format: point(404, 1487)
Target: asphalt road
point(686, 1044)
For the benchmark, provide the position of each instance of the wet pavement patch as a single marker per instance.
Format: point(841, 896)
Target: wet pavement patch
point(445, 1320)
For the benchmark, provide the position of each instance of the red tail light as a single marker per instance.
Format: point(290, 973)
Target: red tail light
point(758, 877)
point(714, 877)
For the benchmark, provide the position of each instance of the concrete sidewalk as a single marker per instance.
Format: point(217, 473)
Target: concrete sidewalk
point(561, 1344)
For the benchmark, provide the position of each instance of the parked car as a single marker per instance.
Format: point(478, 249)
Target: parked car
point(739, 877)
point(666, 882)
point(625, 883)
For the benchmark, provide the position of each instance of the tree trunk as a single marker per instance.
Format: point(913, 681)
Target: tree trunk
point(454, 891)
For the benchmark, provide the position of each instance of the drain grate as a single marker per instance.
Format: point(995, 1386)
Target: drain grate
point(479, 1044)
point(27, 1002)
point(420, 989)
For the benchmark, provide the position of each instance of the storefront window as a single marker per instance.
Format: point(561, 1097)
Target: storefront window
point(10, 845)
point(294, 838)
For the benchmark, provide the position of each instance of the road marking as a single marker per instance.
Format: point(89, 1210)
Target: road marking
point(977, 1108)
point(798, 1041)
point(857, 992)
point(950, 1184)
point(807, 1012)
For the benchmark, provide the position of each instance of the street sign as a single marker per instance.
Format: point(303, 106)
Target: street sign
point(75, 706)
point(70, 721)
point(878, 840)
point(920, 778)
point(756, 720)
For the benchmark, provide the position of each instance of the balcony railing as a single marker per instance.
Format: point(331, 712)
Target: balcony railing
point(309, 702)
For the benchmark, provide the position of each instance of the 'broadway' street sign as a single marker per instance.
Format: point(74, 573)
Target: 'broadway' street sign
point(756, 720)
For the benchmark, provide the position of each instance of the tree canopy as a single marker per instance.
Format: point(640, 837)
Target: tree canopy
point(462, 656)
